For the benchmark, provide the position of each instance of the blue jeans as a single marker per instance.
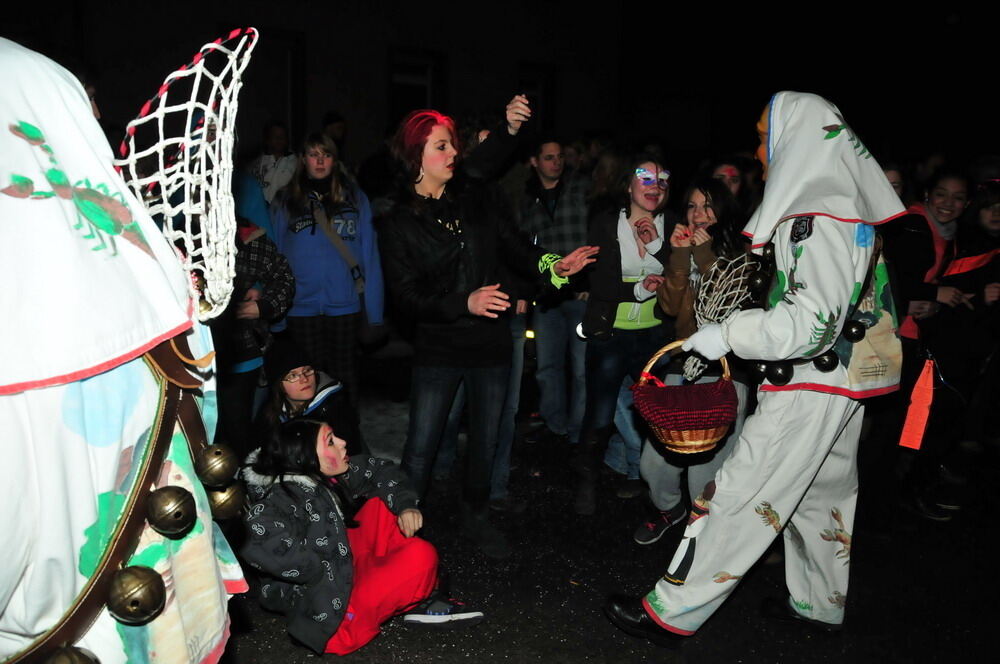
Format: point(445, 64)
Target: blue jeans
point(432, 395)
point(609, 362)
point(625, 446)
point(555, 337)
point(505, 434)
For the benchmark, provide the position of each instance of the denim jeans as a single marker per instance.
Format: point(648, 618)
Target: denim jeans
point(431, 397)
point(609, 361)
point(625, 446)
point(505, 434)
point(562, 408)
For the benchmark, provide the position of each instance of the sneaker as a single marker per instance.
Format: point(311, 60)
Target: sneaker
point(438, 611)
point(658, 524)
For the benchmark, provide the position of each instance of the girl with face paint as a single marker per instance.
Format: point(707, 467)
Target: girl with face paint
point(622, 323)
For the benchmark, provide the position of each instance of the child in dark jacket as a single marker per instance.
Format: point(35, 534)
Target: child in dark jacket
point(337, 579)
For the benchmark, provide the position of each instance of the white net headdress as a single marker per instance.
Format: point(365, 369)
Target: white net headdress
point(723, 290)
point(177, 157)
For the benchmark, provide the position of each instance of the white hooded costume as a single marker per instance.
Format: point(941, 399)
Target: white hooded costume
point(793, 469)
point(89, 286)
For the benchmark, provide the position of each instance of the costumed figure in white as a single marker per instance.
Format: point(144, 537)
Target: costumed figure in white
point(825, 339)
point(110, 552)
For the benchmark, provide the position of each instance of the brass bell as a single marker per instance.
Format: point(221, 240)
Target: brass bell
point(137, 595)
point(216, 466)
point(227, 503)
point(171, 511)
point(72, 655)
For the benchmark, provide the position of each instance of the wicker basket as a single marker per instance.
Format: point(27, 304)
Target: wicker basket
point(654, 399)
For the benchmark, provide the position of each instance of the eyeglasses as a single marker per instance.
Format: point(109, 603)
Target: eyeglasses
point(296, 376)
point(648, 178)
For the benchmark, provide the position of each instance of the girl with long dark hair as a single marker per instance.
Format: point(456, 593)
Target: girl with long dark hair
point(336, 566)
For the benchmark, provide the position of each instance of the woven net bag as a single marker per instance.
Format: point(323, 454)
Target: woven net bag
point(177, 157)
point(687, 419)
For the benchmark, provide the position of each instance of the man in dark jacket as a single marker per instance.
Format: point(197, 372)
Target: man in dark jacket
point(554, 214)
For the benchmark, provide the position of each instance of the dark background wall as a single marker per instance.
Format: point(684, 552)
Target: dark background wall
point(696, 78)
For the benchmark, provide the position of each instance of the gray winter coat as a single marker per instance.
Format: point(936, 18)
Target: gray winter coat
point(298, 541)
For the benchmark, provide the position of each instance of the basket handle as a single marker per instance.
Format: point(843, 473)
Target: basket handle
point(645, 375)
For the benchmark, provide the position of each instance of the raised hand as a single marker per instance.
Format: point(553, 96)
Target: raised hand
point(518, 112)
point(576, 260)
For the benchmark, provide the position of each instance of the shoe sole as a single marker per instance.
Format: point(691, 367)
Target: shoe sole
point(445, 622)
point(670, 642)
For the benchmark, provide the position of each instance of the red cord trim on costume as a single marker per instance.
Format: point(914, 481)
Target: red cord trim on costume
point(821, 214)
point(829, 389)
point(236, 586)
point(656, 619)
point(970, 263)
point(96, 369)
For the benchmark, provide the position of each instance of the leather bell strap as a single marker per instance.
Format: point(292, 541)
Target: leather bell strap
point(91, 601)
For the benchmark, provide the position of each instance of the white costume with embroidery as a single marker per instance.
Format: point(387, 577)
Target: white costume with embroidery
point(793, 467)
point(89, 286)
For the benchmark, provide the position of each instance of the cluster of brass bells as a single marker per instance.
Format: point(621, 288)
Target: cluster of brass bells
point(72, 655)
point(137, 595)
point(216, 466)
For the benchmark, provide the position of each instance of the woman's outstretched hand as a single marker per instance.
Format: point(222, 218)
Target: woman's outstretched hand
point(410, 521)
point(575, 261)
point(518, 112)
point(488, 299)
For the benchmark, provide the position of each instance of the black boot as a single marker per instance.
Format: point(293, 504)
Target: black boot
point(477, 527)
point(592, 445)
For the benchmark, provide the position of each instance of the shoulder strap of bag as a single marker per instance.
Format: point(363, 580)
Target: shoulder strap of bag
point(319, 212)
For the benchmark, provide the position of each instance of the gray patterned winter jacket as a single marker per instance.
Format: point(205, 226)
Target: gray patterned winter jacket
point(298, 541)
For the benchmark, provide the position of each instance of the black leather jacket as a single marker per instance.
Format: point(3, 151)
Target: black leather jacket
point(431, 271)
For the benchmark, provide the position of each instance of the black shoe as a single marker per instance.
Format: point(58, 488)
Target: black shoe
point(773, 608)
point(916, 504)
point(585, 498)
point(509, 504)
point(545, 436)
point(629, 488)
point(629, 615)
point(477, 527)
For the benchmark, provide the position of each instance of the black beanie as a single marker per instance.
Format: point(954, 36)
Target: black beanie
point(281, 358)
